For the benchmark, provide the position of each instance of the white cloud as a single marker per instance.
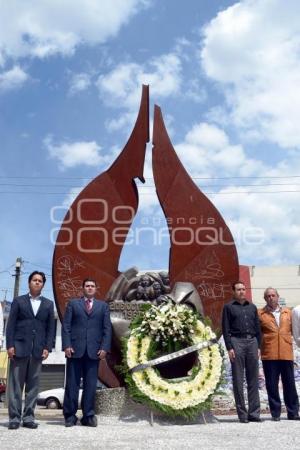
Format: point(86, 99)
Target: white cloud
point(207, 151)
point(12, 79)
point(122, 86)
point(252, 49)
point(122, 122)
point(273, 218)
point(39, 29)
point(105, 160)
point(74, 154)
point(79, 82)
point(265, 225)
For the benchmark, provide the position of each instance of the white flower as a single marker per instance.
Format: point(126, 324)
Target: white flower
point(177, 322)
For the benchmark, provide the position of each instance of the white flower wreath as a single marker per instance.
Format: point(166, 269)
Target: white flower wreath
point(176, 394)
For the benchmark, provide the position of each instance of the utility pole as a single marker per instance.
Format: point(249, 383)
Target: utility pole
point(17, 276)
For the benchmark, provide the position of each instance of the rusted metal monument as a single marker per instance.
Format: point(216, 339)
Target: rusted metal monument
point(203, 261)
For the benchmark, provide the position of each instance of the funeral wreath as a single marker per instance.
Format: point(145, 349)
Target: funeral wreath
point(163, 333)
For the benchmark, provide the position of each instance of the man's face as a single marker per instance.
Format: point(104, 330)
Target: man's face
point(165, 278)
point(89, 289)
point(272, 298)
point(36, 285)
point(145, 281)
point(240, 291)
point(156, 287)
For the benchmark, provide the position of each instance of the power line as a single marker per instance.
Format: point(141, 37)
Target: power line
point(36, 185)
point(46, 266)
point(150, 193)
point(230, 185)
point(152, 185)
point(244, 178)
point(148, 178)
point(43, 178)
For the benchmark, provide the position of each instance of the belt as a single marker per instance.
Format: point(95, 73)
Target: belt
point(243, 336)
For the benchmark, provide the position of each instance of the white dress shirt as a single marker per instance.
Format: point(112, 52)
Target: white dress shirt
point(296, 324)
point(276, 314)
point(35, 303)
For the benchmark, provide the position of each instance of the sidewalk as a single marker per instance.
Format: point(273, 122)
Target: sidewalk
point(112, 433)
point(40, 413)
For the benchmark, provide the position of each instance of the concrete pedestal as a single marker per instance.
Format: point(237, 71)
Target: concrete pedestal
point(116, 404)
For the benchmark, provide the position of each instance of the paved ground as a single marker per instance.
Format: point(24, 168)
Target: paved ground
point(226, 433)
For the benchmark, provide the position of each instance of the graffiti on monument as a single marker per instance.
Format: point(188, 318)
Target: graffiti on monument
point(94, 230)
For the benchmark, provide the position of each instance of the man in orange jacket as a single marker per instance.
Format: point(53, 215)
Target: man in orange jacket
point(277, 355)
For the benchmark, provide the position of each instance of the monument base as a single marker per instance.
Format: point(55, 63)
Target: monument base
point(116, 404)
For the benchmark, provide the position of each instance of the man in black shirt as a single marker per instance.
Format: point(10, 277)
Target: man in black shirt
point(241, 331)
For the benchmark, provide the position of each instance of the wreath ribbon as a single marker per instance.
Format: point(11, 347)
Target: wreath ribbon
point(174, 355)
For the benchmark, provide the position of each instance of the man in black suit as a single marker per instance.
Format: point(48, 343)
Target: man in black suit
point(86, 338)
point(242, 336)
point(29, 339)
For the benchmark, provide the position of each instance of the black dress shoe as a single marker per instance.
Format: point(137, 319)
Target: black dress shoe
point(294, 418)
point(70, 423)
point(89, 421)
point(13, 425)
point(254, 419)
point(244, 420)
point(276, 419)
point(31, 425)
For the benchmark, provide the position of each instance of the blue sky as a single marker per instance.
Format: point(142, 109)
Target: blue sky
point(226, 75)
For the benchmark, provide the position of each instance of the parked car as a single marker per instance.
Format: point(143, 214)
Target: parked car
point(53, 398)
point(2, 390)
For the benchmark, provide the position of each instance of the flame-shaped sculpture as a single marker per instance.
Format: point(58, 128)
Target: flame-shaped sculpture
point(94, 230)
point(202, 248)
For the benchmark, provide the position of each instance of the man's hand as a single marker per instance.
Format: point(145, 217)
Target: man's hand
point(45, 353)
point(11, 352)
point(258, 353)
point(69, 351)
point(101, 354)
point(231, 355)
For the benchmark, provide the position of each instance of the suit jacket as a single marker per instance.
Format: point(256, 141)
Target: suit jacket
point(277, 341)
point(86, 332)
point(30, 334)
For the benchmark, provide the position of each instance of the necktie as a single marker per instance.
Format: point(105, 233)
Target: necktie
point(88, 305)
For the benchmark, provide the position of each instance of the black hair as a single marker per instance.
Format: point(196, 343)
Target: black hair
point(36, 272)
point(89, 279)
point(237, 282)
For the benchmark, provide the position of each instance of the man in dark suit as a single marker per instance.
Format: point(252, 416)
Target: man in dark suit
point(86, 338)
point(242, 336)
point(29, 339)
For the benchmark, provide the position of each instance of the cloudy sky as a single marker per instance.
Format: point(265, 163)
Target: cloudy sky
point(226, 75)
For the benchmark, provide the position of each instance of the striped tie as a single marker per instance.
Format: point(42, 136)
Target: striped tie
point(88, 305)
